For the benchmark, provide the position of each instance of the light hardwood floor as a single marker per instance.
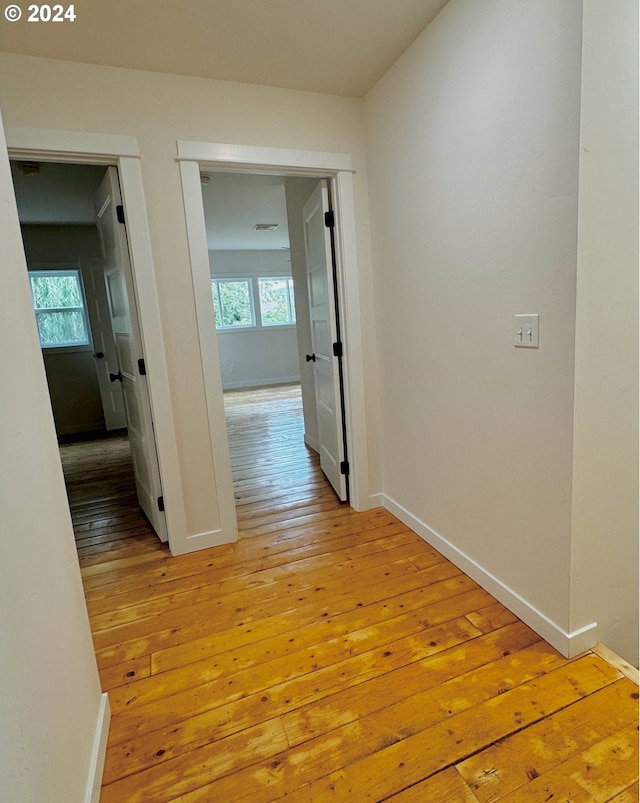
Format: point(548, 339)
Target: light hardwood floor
point(328, 655)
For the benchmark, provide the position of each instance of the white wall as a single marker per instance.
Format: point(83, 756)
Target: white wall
point(158, 110)
point(473, 171)
point(71, 373)
point(261, 355)
point(50, 695)
point(605, 485)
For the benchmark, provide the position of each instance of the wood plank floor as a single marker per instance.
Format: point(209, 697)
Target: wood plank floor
point(275, 476)
point(328, 655)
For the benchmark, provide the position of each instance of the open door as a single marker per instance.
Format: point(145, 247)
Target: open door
point(325, 339)
point(131, 370)
point(104, 346)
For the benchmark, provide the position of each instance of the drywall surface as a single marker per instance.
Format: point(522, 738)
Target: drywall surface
point(473, 174)
point(71, 373)
point(158, 110)
point(255, 358)
point(227, 264)
point(48, 245)
point(50, 693)
point(260, 355)
point(74, 391)
point(605, 486)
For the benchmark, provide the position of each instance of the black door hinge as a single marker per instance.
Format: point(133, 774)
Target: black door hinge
point(344, 467)
point(329, 219)
point(337, 349)
point(161, 504)
point(120, 213)
point(142, 368)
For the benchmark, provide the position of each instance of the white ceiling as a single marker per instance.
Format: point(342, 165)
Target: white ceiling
point(337, 47)
point(234, 204)
point(57, 193)
point(62, 194)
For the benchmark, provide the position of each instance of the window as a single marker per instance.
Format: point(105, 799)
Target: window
point(233, 303)
point(277, 306)
point(253, 303)
point(58, 302)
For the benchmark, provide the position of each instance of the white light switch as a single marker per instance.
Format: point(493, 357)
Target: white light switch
point(525, 331)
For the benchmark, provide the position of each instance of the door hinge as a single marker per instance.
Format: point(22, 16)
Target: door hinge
point(344, 467)
point(120, 213)
point(329, 219)
point(161, 504)
point(142, 368)
point(337, 349)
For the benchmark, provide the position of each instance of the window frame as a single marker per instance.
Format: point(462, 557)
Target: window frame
point(62, 270)
point(253, 282)
point(289, 297)
point(236, 280)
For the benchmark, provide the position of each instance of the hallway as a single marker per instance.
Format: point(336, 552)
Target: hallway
point(328, 655)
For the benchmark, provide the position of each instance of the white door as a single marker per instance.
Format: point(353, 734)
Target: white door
point(126, 330)
point(104, 346)
point(324, 334)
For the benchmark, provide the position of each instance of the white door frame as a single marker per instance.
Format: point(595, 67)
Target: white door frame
point(337, 168)
point(50, 145)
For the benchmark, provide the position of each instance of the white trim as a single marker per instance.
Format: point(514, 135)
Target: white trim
point(99, 751)
point(249, 156)
point(69, 145)
point(120, 150)
point(194, 156)
point(209, 356)
point(569, 644)
point(376, 500)
point(131, 187)
point(343, 200)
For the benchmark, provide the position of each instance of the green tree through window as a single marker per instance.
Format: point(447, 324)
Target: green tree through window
point(276, 301)
point(236, 301)
point(232, 303)
point(59, 308)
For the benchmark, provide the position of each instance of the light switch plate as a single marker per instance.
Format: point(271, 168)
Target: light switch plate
point(526, 331)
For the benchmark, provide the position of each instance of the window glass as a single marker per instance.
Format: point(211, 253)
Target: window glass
point(291, 300)
point(51, 291)
point(276, 301)
point(59, 308)
point(236, 302)
point(216, 303)
point(232, 303)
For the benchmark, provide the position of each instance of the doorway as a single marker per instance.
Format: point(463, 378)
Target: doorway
point(197, 157)
point(72, 222)
point(266, 235)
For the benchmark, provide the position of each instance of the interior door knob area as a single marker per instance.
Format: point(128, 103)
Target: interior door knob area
point(99, 355)
point(116, 377)
point(311, 357)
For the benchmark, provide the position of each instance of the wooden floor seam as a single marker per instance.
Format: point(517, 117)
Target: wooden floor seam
point(328, 654)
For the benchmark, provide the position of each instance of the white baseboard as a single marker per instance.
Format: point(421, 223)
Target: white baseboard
point(96, 768)
point(569, 644)
point(377, 500)
point(312, 443)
